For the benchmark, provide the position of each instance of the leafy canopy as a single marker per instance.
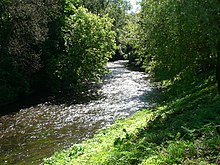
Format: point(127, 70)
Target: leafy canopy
point(89, 43)
point(180, 37)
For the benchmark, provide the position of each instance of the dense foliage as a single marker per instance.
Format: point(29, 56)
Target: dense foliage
point(178, 43)
point(89, 43)
point(129, 37)
point(23, 28)
point(56, 44)
point(179, 38)
point(50, 44)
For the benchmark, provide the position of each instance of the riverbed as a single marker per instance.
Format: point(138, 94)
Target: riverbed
point(36, 132)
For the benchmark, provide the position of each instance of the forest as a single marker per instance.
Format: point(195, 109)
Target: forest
point(56, 44)
point(64, 45)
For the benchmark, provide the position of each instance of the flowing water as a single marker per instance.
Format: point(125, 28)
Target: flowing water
point(38, 131)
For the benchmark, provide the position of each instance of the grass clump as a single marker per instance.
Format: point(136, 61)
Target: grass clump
point(180, 130)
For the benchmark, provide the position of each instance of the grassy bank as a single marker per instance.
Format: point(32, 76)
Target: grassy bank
point(180, 130)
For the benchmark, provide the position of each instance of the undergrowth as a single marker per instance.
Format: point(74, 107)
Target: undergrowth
point(180, 130)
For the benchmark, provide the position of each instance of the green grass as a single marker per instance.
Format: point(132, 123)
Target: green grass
point(180, 130)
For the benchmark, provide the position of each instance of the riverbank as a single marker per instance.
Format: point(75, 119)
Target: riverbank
point(181, 129)
point(37, 131)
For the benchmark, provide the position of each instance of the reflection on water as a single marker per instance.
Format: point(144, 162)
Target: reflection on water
point(37, 132)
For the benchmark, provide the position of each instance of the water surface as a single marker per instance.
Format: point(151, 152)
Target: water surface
point(37, 132)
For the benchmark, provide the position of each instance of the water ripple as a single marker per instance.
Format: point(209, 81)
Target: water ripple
point(46, 127)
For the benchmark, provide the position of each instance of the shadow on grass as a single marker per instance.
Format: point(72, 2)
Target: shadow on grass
point(182, 130)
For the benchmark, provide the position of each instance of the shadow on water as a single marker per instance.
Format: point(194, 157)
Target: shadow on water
point(89, 92)
point(67, 97)
point(83, 95)
point(24, 102)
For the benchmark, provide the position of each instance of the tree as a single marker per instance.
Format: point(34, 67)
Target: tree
point(23, 29)
point(89, 43)
point(180, 37)
point(129, 37)
point(117, 10)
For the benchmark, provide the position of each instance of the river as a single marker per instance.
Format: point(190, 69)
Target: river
point(36, 132)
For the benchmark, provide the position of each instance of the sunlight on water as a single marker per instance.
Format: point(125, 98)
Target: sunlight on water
point(37, 132)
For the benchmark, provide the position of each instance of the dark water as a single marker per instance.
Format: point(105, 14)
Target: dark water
point(37, 132)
